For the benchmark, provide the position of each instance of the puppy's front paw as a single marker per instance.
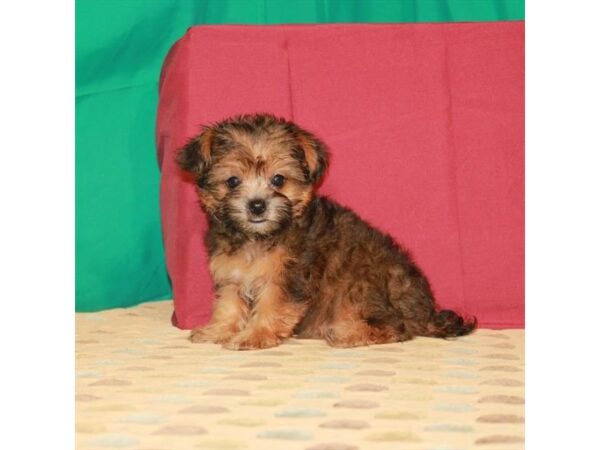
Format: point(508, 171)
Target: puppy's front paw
point(211, 334)
point(253, 340)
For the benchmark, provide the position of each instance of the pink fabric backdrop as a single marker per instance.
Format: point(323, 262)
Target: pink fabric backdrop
point(425, 123)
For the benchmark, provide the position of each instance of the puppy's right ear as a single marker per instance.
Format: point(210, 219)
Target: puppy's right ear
point(195, 157)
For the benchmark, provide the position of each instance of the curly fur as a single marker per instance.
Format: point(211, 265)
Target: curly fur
point(306, 265)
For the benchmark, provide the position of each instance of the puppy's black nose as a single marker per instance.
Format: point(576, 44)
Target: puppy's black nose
point(257, 206)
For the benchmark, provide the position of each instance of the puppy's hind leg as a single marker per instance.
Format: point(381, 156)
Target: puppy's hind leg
point(351, 329)
point(411, 296)
point(359, 335)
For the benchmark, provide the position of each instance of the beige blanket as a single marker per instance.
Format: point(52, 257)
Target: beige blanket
point(141, 385)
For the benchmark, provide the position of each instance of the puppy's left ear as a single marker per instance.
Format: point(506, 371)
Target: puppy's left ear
point(316, 155)
point(195, 157)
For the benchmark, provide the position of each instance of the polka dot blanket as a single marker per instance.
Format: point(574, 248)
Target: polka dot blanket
point(140, 384)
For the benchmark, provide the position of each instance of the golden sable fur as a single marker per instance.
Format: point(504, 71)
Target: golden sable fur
point(285, 261)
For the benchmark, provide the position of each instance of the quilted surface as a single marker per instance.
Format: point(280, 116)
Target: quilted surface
point(141, 385)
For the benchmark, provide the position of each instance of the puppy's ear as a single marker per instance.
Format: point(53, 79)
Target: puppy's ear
point(316, 155)
point(195, 157)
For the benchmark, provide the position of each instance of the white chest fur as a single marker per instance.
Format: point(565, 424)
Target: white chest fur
point(251, 269)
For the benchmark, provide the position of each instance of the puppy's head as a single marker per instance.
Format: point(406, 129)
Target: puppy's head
point(255, 173)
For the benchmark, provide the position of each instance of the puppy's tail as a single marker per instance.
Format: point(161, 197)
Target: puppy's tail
point(446, 323)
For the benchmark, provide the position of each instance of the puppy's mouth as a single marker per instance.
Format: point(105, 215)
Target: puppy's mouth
point(257, 220)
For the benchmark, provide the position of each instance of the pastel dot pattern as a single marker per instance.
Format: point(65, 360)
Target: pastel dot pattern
point(140, 384)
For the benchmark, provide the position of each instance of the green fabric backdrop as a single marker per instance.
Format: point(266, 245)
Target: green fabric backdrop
point(120, 45)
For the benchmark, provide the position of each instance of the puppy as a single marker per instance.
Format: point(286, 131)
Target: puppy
point(285, 261)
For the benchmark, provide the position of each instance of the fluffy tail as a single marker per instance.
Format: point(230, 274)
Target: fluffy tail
point(446, 323)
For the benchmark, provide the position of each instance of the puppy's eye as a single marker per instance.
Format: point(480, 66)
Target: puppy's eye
point(233, 182)
point(278, 180)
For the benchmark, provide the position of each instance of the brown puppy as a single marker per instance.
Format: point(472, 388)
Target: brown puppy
point(285, 261)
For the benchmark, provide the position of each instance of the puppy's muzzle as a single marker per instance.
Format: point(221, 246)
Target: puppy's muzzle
point(257, 208)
